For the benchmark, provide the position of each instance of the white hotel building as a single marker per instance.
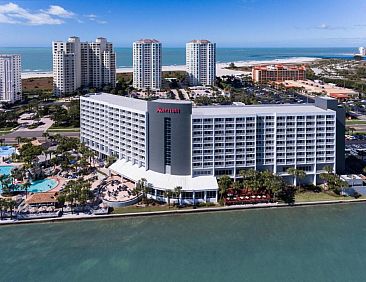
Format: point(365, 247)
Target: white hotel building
point(201, 62)
point(82, 64)
point(172, 143)
point(10, 78)
point(147, 64)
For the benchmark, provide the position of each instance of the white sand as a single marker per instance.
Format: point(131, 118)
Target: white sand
point(220, 67)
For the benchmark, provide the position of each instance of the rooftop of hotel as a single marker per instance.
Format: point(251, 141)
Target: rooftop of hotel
point(141, 105)
point(147, 41)
point(127, 102)
point(257, 109)
point(200, 41)
point(279, 67)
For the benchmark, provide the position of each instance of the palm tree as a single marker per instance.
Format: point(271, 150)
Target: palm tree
point(251, 179)
point(3, 207)
point(168, 194)
point(3, 179)
point(26, 186)
point(142, 187)
point(11, 205)
point(177, 193)
point(296, 174)
point(224, 184)
point(238, 185)
point(61, 199)
point(328, 169)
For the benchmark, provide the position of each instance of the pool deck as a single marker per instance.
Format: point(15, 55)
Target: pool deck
point(60, 183)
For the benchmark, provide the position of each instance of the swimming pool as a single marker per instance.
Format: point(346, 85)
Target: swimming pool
point(37, 186)
point(6, 169)
point(6, 151)
point(42, 185)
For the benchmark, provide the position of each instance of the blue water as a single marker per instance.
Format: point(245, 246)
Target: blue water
point(6, 169)
point(292, 244)
point(37, 186)
point(39, 59)
point(6, 151)
point(42, 185)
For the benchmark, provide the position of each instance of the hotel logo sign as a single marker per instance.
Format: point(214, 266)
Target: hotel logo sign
point(168, 110)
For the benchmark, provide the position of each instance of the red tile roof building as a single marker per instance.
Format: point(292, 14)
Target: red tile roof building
point(278, 73)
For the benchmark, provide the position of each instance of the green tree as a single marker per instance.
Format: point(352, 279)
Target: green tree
point(177, 193)
point(3, 207)
point(142, 187)
point(168, 194)
point(11, 204)
point(224, 184)
point(26, 186)
point(296, 174)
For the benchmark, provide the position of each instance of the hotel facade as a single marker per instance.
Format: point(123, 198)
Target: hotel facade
point(147, 64)
point(201, 62)
point(82, 64)
point(10, 78)
point(172, 143)
point(278, 73)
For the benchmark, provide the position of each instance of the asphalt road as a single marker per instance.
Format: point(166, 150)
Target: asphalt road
point(11, 137)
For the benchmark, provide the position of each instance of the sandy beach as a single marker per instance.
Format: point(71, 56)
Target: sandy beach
point(220, 67)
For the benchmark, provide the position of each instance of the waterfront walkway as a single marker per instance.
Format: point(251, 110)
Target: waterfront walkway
point(181, 211)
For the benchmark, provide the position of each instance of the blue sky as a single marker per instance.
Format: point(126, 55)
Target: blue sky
point(229, 23)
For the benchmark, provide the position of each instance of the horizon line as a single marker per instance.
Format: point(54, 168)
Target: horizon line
point(221, 47)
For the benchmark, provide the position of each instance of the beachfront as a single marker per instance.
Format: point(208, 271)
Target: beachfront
point(221, 68)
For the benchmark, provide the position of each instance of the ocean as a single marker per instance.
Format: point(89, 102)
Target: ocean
point(322, 243)
point(40, 59)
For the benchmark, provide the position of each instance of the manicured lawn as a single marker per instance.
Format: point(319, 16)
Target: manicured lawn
point(4, 132)
point(6, 129)
point(355, 121)
point(322, 196)
point(132, 209)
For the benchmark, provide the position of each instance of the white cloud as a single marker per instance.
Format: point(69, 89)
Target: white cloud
point(324, 26)
point(59, 11)
point(91, 16)
point(14, 14)
point(330, 27)
point(95, 18)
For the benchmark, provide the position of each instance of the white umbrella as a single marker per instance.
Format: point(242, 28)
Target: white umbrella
point(33, 210)
point(42, 209)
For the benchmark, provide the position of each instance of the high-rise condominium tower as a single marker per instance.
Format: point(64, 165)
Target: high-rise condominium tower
point(10, 78)
point(82, 64)
point(147, 64)
point(201, 62)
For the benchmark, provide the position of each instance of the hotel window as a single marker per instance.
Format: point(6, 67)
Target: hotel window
point(211, 194)
point(167, 140)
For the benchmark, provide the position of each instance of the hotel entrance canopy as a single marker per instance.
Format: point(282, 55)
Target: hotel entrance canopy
point(164, 181)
